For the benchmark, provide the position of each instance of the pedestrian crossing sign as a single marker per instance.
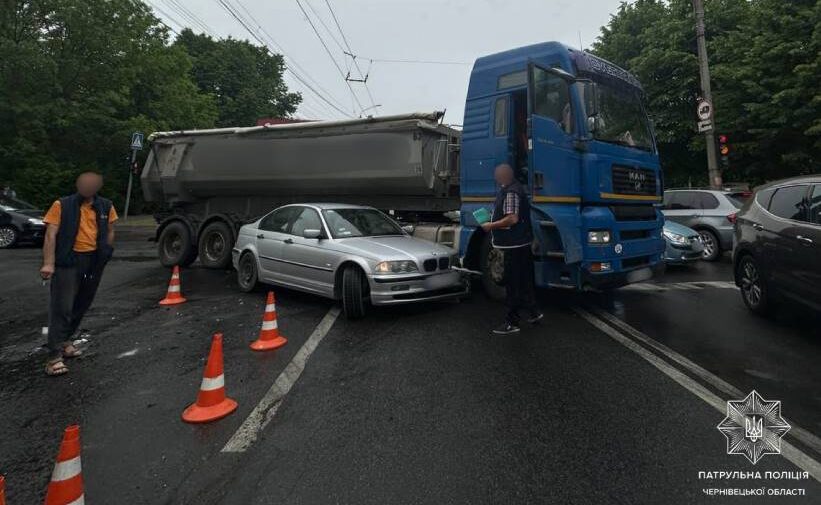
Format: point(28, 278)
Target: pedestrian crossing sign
point(137, 141)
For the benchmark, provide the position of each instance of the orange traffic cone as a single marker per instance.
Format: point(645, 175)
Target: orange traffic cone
point(211, 403)
point(269, 337)
point(2, 490)
point(174, 295)
point(66, 486)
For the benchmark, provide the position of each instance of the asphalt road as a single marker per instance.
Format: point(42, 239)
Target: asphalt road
point(614, 399)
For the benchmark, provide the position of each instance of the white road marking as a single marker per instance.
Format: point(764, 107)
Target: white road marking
point(267, 408)
point(681, 286)
point(789, 451)
point(128, 354)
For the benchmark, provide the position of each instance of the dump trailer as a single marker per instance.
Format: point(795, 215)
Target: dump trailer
point(213, 181)
point(572, 125)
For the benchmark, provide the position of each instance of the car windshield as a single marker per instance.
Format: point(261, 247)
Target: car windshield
point(346, 223)
point(7, 208)
point(622, 119)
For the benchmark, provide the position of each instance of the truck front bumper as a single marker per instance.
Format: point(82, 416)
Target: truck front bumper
point(394, 290)
point(612, 280)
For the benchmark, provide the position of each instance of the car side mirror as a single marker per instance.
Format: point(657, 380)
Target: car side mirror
point(409, 229)
point(311, 233)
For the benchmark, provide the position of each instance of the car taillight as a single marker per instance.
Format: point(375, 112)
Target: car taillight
point(732, 217)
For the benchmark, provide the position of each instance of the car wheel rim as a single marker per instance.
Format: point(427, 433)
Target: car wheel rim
point(6, 237)
point(246, 273)
point(709, 243)
point(496, 265)
point(751, 283)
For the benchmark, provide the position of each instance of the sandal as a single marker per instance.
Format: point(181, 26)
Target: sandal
point(70, 351)
point(56, 367)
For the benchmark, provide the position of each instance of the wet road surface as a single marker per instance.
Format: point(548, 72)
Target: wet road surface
point(416, 404)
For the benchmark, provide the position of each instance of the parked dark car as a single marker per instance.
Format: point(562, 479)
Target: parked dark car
point(777, 253)
point(19, 222)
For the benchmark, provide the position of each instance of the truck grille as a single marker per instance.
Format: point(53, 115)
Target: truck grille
point(633, 181)
point(634, 212)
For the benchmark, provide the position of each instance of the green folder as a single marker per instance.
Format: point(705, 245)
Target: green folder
point(481, 215)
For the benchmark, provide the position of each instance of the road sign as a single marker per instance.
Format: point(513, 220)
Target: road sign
point(137, 141)
point(704, 110)
point(705, 126)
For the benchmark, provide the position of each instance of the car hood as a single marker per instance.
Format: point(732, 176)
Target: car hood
point(393, 247)
point(679, 229)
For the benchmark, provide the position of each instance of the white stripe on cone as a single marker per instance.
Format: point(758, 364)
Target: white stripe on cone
point(269, 325)
point(65, 470)
point(174, 288)
point(212, 383)
point(79, 501)
point(271, 308)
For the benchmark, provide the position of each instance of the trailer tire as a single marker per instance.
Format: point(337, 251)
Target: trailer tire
point(354, 292)
point(492, 263)
point(175, 247)
point(216, 242)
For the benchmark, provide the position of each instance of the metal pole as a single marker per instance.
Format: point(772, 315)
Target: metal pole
point(704, 70)
point(130, 178)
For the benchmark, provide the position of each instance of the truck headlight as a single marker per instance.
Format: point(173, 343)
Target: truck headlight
point(676, 238)
point(598, 237)
point(396, 267)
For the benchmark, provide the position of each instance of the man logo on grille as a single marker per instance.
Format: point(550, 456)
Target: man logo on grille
point(753, 427)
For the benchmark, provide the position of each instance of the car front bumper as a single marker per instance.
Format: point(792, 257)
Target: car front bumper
point(399, 289)
point(680, 255)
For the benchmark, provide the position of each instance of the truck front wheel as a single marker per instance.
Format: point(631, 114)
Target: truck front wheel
point(216, 241)
point(493, 270)
point(174, 246)
point(354, 292)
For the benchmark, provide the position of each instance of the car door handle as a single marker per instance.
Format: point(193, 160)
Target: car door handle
point(288, 241)
point(804, 240)
point(260, 235)
point(759, 227)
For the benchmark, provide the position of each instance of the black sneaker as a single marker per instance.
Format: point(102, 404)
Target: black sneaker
point(535, 318)
point(506, 329)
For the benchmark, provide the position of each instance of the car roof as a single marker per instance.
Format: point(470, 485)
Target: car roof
point(802, 179)
point(326, 205)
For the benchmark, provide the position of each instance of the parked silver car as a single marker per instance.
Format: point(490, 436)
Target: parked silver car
point(711, 213)
point(346, 252)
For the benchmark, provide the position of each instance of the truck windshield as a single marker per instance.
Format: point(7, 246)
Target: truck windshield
point(621, 118)
point(346, 223)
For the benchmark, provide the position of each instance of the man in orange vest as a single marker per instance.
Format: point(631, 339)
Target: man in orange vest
point(77, 246)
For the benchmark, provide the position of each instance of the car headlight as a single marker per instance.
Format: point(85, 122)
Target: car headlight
point(598, 237)
point(35, 221)
point(396, 267)
point(676, 238)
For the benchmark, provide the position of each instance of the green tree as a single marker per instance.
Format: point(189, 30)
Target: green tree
point(245, 79)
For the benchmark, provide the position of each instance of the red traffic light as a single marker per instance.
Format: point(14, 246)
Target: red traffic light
point(722, 139)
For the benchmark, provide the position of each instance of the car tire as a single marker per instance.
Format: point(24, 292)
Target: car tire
point(492, 265)
point(354, 293)
point(712, 247)
point(754, 290)
point(216, 242)
point(175, 247)
point(247, 272)
point(8, 236)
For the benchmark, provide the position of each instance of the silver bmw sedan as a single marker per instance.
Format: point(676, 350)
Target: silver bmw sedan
point(345, 252)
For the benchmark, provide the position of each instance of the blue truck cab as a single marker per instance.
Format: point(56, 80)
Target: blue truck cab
point(575, 130)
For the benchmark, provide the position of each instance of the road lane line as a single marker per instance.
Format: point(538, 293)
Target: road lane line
point(797, 432)
point(267, 407)
point(789, 451)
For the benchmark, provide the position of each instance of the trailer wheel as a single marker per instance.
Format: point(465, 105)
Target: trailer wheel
point(354, 293)
point(216, 241)
point(174, 246)
point(493, 270)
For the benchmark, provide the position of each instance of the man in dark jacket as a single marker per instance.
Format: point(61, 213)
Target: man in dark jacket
point(512, 234)
point(77, 246)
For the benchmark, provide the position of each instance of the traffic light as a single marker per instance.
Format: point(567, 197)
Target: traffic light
point(724, 148)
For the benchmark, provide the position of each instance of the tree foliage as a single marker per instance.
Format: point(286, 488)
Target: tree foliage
point(77, 77)
point(764, 59)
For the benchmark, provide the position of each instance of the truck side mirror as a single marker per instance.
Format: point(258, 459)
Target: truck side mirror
point(591, 98)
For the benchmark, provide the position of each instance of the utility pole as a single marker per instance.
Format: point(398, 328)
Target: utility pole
point(707, 95)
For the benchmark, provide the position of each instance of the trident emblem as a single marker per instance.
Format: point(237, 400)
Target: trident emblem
point(753, 430)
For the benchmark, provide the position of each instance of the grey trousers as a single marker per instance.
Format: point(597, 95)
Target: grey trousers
point(72, 291)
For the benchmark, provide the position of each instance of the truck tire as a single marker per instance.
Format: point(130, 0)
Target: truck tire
point(174, 246)
point(216, 242)
point(492, 263)
point(354, 293)
point(247, 273)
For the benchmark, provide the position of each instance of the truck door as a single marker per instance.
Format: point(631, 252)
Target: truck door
point(555, 164)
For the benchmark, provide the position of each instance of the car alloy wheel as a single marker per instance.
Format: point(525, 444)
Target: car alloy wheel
point(710, 245)
point(8, 236)
point(752, 285)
